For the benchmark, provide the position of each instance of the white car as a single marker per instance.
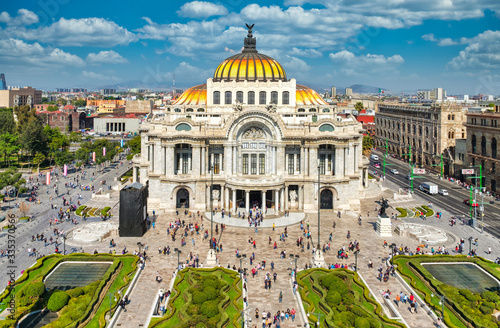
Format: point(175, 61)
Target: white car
point(443, 192)
point(394, 171)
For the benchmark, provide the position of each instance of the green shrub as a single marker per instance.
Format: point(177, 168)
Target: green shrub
point(35, 289)
point(485, 309)
point(362, 323)
point(57, 301)
point(80, 209)
point(347, 318)
point(490, 296)
point(211, 293)
point(491, 305)
point(75, 292)
point(105, 210)
point(23, 190)
point(402, 211)
point(428, 210)
point(210, 309)
point(467, 294)
point(333, 298)
point(199, 297)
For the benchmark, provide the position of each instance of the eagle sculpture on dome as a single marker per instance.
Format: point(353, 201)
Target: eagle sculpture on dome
point(250, 27)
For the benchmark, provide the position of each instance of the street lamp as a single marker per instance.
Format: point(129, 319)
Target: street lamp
point(318, 315)
point(140, 246)
point(64, 244)
point(392, 247)
point(356, 260)
point(442, 301)
point(319, 202)
point(295, 258)
point(110, 295)
point(470, 244)
point(243, 256)
point(211, 205)
point(178, 251)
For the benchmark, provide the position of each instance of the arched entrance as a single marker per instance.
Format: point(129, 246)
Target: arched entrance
point(326, 199)
point(182, 198)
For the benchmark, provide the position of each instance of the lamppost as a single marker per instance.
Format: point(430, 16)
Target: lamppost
point(211, 205)
point(64, 244)
point(318, 315)
point(243, 256)
point(140, 246)
point(356, 260)
point(295, 258)
point(392, 247)
point(110, 295)
point(319, 202)
point(470, 244)
point(442, 301)
point(178, 251)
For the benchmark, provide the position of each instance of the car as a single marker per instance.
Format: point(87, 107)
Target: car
point(394, 171)
point(407, 177)
point(467, 202)
point(443, 192)
point(377, 165)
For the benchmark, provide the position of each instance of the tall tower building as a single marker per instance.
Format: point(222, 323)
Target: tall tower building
point(334, 92)
point(4, 85)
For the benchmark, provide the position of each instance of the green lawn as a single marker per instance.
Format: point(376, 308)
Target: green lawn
point(204, 298)
point(342, 299)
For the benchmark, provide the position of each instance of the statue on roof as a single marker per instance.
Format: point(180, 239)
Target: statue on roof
point(250, 41)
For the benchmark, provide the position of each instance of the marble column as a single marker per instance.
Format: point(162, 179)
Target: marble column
point(247, 201)
point(226, 196)
point(282, 199)
point(196, 160)
point(263, 205)
point(134, 174)
point(221, 196)
point(227, 158)
point(306, 161)
point(313, 162)
point(286, 198)
point(203, 170)
point(350, 160)
point(276, 201)
point(233, 156)
point(171, 160)
point(302, 156)
point(234, 200)
point(339, 161)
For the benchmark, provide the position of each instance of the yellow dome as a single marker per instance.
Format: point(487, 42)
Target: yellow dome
point(249, 65)
point(307, 96)
point(194, 96)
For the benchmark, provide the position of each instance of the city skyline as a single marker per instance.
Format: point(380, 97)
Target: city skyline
point(400, 47)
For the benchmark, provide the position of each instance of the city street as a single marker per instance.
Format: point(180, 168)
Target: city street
point(452, 203)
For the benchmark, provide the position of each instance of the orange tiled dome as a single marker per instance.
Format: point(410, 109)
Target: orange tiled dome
point(307, 96)
point(196, 95)
point(250, 66)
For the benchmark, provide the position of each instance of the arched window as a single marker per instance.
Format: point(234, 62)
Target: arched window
point(274, 97)
point(301, 110)
point(285, 98)
point(183, 127)
point(426, 131)
point(177, 110)
point(228, 98)
point(326, 110)
point(251, 98)
point(262, 98)
point(200, 110)
point(483, 146)
point(326, 128)
point(453, 117)
point(216, 97)
point(426, 145)
point(239, 96)
point(312, 110)
point(494, 148)
point(449, 117)
point(189, 110)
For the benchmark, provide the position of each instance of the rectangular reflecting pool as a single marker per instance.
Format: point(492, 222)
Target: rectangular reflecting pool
point(462, 276)
point(69, 275)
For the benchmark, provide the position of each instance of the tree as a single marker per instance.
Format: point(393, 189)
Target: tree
point(359, 106)
point(24, 114)
point(45, 100)
point(11, 178)
point(24, 209)
point(52, 108)
point(7, 123)
point(81, 103)
point(61, 101)
point(8, 145)
point(32, 138)
point(491, 105)
point(367, 143)
point(135, 145)
point(75, 137)
point(38, 159)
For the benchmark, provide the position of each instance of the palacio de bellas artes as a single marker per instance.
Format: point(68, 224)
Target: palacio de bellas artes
point(258, 138)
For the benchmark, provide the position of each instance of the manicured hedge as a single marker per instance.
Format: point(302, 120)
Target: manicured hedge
point(402, 211)
point(80, 209)
point(105, 210)
point(57, 301)
point(472, 308)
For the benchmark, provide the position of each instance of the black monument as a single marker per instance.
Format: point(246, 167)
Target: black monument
point(133, 210)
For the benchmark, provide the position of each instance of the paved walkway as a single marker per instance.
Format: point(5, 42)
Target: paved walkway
point(293, 218)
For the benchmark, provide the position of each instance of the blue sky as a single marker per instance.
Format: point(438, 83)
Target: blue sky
point(400, 45)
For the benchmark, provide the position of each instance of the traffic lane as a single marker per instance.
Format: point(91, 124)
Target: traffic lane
point(454, 206)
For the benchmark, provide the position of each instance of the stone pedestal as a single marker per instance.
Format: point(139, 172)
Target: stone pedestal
point(384, 227)
point(319, 259)
point(294, 205)
point(212, 260)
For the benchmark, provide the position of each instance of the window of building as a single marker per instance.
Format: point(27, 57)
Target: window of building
point(216, 164)
point(473, 143)
point(262, 98)
point(177, 110)
point(216, 97)
point(185, 163)
point(245, 163)
point(253, 163)
point(239, 96)
point(301, 110)
point(322, 164)
point(200, 110)
point(183, 127)
point(189, 110)
point(251, 98)
point(312, 110)
point(297, 165)
point(483, 146)
point(228, 98)
point(274, 97)
point(449, 117)
point(493, 167)
point(453, 117)
point(426, 131)
point(286, 98)
point(326, 110)
point(262, 164)
point(494, 148)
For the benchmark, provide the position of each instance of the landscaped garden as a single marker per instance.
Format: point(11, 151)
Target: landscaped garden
point(342, 299)
point(464, 308)
point(415, 211)
point(92, 211)
point(204, 298)
point(76, 302)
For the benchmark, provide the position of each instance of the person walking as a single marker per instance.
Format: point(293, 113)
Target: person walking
point(281, 297)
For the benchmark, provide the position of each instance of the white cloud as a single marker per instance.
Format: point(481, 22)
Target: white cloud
point(447, 42)
point(310, 53)
point(16, 52)
point(76, 32)
point(24, 17)
point(482, 51)
point(198, 9)
point(443, 41)
point(99, 76)
point(429, 37)
point(350, 64)
point(108, 57)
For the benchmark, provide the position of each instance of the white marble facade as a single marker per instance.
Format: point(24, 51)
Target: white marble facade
point(255, 154)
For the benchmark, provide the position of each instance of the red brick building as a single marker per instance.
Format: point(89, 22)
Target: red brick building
point(65, 121)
